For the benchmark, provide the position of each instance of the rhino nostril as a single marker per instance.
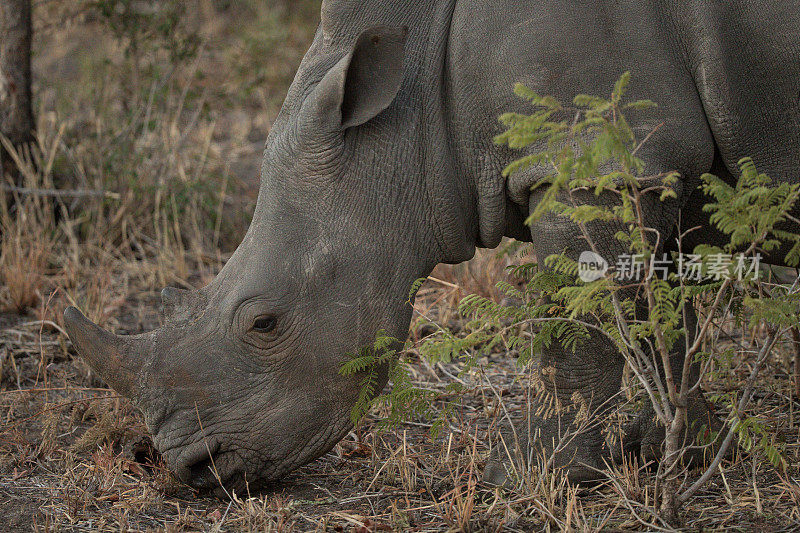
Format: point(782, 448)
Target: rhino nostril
point(203, 474)
point(198, 466)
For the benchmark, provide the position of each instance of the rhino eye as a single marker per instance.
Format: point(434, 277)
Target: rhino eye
point(264, 324)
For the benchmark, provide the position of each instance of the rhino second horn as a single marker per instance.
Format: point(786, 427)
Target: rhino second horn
point(116, 359)
point(173, 299)
point(180, 305)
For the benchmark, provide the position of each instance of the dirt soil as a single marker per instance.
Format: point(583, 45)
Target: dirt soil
point(76, 457)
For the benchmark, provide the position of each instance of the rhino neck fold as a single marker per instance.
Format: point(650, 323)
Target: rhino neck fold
point(451, 193)
point(450, 200)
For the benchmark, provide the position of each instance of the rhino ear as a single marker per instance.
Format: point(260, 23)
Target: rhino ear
point(365, 81)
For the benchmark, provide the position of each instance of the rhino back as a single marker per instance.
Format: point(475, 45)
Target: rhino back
point(564, 48)
point(745, 59)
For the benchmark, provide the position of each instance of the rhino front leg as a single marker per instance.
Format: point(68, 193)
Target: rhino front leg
point(576, 390)
point(573, 392)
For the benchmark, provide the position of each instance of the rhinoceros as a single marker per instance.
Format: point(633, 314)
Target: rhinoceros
point(381, 164)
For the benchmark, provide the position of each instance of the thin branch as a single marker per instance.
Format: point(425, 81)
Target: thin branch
point(740, 407)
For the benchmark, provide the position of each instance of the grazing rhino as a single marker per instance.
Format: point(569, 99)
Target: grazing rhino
point(381, 165)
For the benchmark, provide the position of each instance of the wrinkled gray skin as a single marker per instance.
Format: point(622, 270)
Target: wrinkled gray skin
point(381, 165)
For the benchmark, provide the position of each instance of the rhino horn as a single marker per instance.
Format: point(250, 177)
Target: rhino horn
point(117, 359)
point(180, 305)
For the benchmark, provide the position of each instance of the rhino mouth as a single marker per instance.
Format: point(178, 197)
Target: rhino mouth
point(204, 465)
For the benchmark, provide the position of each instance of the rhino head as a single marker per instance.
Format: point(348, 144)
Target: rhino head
point(241, 383)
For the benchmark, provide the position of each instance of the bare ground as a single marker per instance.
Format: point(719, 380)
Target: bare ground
point(76, 457)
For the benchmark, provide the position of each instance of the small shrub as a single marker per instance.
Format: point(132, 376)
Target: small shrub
point(556, 303)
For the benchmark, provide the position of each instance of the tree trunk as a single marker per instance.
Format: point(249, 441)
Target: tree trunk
point(669, 469)
point(16, 112)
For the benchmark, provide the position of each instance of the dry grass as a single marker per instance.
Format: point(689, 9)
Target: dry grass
point(152, 150)
point(77, 458)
